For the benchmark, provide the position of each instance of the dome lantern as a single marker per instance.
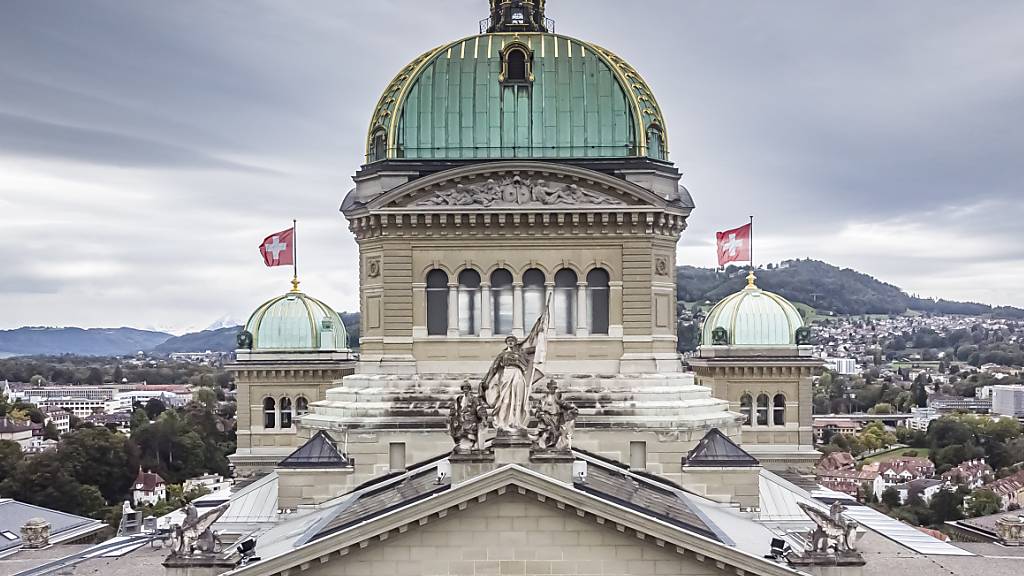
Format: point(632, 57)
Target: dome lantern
point(516, 16)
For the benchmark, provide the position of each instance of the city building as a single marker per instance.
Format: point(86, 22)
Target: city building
point(148, 488)
point(14, 431)
point(60, 417)
point(292, 350)
point(755, 353)
point(945, 404)
point(844, 366)
point(921, 418)
point(827, 426)
point(1008, 400)
point(79, 407)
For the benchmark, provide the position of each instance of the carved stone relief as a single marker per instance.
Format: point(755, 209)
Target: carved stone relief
point(518, 191)
point(372, 267)
point(661, 266)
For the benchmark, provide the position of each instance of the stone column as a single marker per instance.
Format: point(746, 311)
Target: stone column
point(615, 308)
point(453, 310)
point(486, 315)
point(549, 297)
point(582, 322)
point(517, 310)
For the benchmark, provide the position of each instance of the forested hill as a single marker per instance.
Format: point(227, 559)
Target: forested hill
point(219, 340)
point(824, 287)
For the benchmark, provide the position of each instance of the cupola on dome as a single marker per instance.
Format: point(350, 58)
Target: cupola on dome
point(517, 90)
point(295, 322)
point(753, 317)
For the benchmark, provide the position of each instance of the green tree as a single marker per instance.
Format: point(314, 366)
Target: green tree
point(154, 408)
point(99, 457)
point(10, 456)
point(50, 431)
point(890, 498)
point(46, 480)
point(983, 502)
point(945, 505)
point(139, 419)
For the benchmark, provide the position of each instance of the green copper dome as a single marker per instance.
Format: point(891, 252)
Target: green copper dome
point(753, 317)
point(529, 94)
point(294, 322)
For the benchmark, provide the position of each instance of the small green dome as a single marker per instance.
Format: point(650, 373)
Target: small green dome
point(294, 322)
point(753, 317)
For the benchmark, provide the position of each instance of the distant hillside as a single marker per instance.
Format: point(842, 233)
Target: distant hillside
point(219, 340)
point(224, 339)
point(824, 287)
point(90, 342)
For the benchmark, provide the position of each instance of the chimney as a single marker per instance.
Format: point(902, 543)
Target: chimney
point(35, 534)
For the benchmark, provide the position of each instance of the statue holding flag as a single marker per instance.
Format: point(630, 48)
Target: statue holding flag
point(506, 387)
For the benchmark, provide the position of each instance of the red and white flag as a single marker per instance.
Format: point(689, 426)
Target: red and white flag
point(733, 245)
point(278, 249)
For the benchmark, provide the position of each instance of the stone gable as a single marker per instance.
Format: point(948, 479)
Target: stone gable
point(514, 535)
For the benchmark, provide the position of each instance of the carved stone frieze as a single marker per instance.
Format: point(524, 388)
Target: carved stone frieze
point(516, 191)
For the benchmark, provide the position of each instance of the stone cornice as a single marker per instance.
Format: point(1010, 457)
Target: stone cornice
point(634, 220)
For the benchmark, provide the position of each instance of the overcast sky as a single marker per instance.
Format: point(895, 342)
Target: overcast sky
point(147, 147)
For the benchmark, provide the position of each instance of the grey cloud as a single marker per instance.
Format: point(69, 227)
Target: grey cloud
point(145, 121)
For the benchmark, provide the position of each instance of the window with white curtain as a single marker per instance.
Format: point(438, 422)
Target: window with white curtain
point(597, 300)
point(501, 300)
point(564, 305)
point(469, 303)
point(533, 296)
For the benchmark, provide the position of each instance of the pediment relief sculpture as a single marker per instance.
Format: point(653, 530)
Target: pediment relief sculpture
point(517, 191)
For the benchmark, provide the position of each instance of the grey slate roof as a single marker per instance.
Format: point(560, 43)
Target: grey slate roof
point(716, 449)
point(319, 451)
point(647, 497)
point(14, 515)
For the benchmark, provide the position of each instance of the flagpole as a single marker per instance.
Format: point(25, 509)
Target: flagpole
point(751, 244)
point(295, 256)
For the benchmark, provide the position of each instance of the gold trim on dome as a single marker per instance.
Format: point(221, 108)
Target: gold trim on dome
point(645, 107)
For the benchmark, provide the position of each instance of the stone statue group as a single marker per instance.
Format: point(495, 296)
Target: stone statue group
point(504, 402)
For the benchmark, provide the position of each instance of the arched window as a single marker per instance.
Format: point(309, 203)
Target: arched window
point(533, 296)
point(515, 61)
point(469, 302)
point(286, 413)
point(655, 143)
point(501, 300)
point(379, 148)
point(597, 300)
point(437, 303)
point(762, 409)
point(565, 301)
point(779, 410)
point(747, 409)
point(269, 413)
point(301, 406)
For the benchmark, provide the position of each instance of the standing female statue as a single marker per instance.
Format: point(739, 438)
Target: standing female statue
point(506, 388)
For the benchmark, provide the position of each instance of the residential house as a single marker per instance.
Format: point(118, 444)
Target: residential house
point(972, 473)
point(148, 488)
point(836, 461)
point(926, 488)
point(901, 471)
point(1010, 489)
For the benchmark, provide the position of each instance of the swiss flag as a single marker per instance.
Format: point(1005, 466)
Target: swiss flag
point(733, 245)
point(278, 249)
